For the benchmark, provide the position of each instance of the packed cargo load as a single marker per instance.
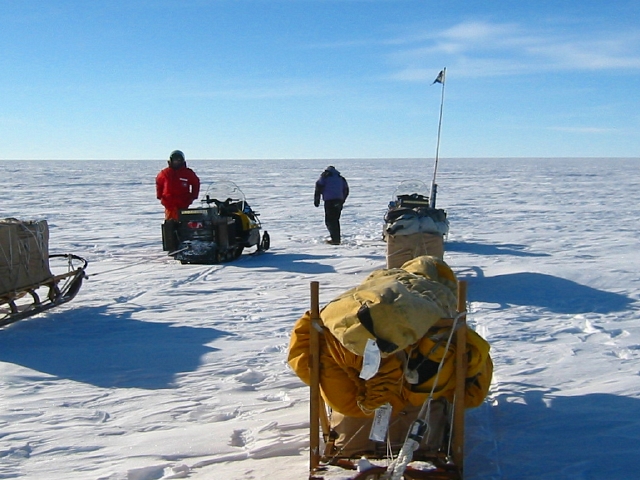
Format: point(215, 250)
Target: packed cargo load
point(413, 227)
point(31, 279)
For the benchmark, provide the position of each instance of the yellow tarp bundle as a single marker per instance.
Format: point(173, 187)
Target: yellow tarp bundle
point(393, 306)
point(402, 305)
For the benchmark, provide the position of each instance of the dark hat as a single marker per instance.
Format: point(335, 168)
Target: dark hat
point(177, 155)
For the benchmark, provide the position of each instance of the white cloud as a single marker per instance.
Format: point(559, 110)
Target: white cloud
point(481, 48)
point(601, 53)
point(474, 32)
point(587, 130)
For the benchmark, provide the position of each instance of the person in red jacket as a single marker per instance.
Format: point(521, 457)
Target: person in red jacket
point(177, 186)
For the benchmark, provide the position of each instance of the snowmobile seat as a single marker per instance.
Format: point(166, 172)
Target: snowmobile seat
point(414, 200)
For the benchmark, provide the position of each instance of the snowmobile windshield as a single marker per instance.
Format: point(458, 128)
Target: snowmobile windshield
point(224, 191)
point(411, 187)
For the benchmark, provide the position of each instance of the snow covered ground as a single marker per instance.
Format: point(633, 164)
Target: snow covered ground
point(159, 370)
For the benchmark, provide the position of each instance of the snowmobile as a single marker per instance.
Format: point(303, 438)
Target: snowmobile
point(216, 232)
point(410, 211)
point(31, 280)
point(413, 226)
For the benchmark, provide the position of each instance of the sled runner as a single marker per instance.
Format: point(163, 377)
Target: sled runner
point(413, 227)
point(427, 383)
point(31, 280)
point(216, 232)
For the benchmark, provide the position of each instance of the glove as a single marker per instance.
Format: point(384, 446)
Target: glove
point(316, 204)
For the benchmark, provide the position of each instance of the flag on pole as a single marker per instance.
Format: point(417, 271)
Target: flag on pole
point(439, 78)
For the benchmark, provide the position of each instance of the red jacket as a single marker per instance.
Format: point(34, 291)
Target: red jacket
point(176, 189)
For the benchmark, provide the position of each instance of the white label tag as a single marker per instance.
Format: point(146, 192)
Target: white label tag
point(371, 360)
point(380, 423)
point(411, 376)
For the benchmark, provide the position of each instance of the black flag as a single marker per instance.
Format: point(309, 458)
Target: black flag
point(439, 78)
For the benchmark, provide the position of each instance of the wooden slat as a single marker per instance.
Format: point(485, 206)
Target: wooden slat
point(314, 363)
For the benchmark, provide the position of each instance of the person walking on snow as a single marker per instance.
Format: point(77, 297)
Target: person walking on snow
point(334, 190)
point(177, 186)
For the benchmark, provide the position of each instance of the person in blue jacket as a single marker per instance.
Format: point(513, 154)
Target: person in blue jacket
point(334, 190)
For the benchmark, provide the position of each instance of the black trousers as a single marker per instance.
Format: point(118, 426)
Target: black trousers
point(332, 211)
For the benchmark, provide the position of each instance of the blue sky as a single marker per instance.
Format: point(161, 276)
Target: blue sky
point(235, 79)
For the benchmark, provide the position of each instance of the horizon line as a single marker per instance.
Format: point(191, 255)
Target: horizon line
point(315, 159)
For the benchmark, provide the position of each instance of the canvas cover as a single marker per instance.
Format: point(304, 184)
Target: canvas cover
point(402, 248)
point(400, 220)
point(395, 307)
point(403, 305)
point(24, 254)
point(345, 392)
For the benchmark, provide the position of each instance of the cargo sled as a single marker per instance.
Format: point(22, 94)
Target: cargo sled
point(413, 227)
point(31, 280)
point(217, 231)
point(402, 416)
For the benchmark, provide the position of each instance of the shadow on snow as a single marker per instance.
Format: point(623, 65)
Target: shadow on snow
point(488, 249)
point(547, 291)
point(540, 435)
point(288, 262)
point(104, 349)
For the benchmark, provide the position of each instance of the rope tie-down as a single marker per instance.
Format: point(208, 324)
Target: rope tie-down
point(420, 426)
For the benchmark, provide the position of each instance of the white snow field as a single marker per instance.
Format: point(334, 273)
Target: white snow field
point(158, 370)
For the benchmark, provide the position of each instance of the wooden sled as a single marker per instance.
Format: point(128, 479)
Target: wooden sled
point(445, 463)
point(53, 291)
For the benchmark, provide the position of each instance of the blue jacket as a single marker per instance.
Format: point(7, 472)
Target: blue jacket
point(332, 186)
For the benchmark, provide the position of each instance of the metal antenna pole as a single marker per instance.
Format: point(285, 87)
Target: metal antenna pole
point(434, 187)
